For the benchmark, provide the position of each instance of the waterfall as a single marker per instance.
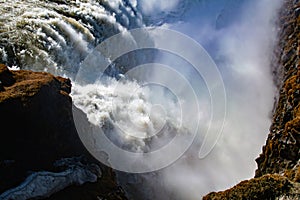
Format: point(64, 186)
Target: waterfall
point(55, 36)
point(141, 98)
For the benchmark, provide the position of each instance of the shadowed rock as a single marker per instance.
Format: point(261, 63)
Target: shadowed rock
point(37, 129)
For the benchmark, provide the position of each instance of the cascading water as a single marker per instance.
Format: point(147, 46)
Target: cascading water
point(56, 36)
point(59, 36)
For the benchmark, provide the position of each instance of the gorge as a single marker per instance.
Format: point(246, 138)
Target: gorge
point(141, 108)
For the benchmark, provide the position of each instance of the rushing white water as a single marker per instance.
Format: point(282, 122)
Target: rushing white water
point(128, 107)
point(239, 35)
point(59, 34)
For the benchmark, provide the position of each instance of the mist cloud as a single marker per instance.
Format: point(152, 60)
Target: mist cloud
point(150, 7)
point(240, 37)
point(241, 42)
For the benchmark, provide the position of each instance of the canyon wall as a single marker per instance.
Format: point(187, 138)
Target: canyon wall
point(278, 172)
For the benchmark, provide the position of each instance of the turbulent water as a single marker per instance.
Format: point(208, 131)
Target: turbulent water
point(60, 36)
point(56, 36)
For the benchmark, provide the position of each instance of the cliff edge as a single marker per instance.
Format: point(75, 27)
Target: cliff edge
point(41, 155)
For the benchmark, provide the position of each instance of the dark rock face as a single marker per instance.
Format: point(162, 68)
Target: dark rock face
point(278, 172)
point(281, 152)
point(37, 129)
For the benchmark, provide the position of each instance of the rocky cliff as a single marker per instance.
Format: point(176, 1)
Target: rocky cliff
point(41, 155)
point(278, 172)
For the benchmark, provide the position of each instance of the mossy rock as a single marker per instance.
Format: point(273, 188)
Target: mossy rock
point(270, 186)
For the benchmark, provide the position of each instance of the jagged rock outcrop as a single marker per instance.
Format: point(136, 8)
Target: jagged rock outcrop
point(278, 172)
point(267, 187)
point(281, 152)
point(37, 130)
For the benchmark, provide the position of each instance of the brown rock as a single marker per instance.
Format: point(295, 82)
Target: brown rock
point(37, 128)
point(281, 152)
point(6, 76)
point(265, 187)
